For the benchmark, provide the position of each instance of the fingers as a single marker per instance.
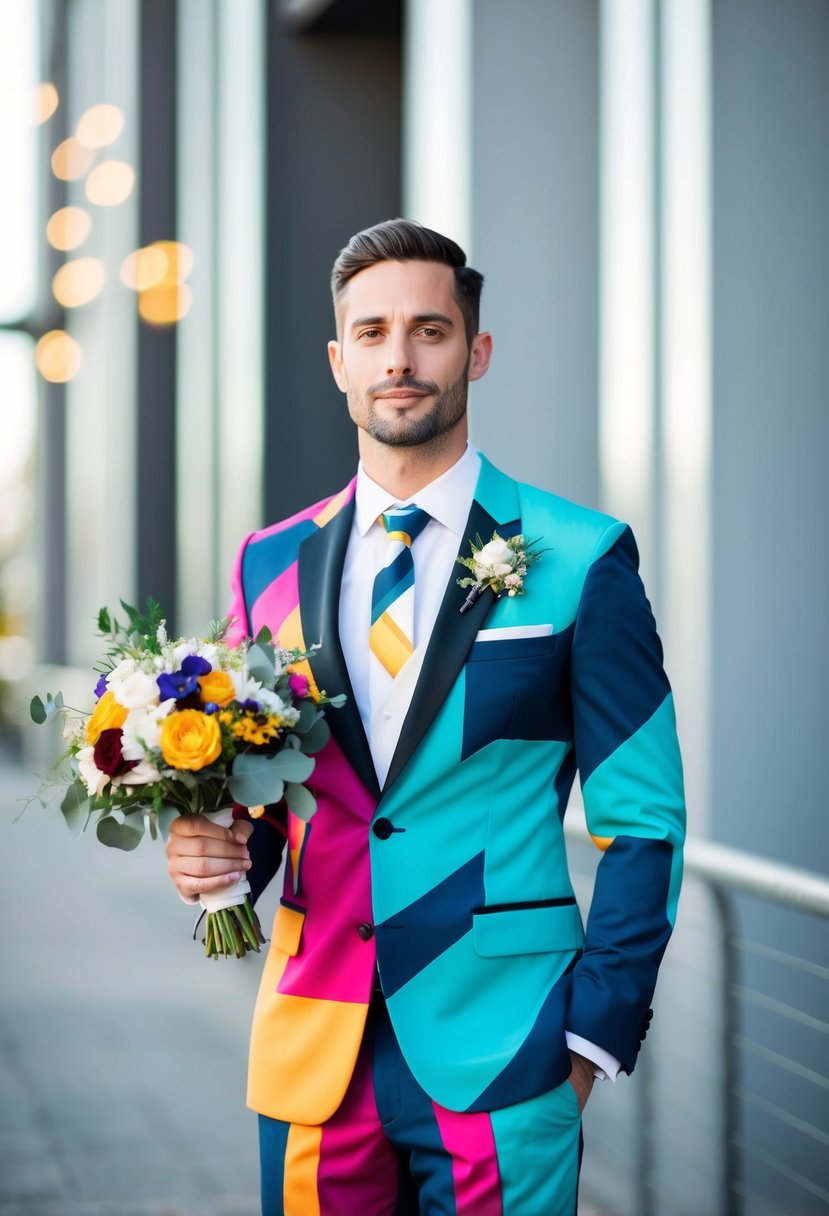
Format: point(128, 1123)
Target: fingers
point(204, 857)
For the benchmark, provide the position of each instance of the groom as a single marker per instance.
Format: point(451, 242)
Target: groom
point(432, 1013)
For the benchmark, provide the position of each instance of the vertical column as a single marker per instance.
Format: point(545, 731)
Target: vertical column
point(437, 119)
point(627, 322)
point(686, 383)
point(156, 440)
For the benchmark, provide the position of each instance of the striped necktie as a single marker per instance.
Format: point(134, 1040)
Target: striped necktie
point(392, 602)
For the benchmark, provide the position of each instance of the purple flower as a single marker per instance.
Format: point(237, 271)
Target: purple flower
point(251, 706)
point(177, 684)
point(184, 682)
point(195, 665)
point(100, 688)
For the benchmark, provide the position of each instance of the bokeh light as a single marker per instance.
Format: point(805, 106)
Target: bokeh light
point(144, 268)
point(99, 126)
point(79, 281)
point(58, 356)
point(68, 228)
point(110, 183)
point(46, 101)
point(71, 160)
point(165, 305)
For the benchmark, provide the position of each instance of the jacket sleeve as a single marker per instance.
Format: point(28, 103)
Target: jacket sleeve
point(631, 776)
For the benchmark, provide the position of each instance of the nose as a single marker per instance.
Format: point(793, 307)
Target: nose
point(399, 357)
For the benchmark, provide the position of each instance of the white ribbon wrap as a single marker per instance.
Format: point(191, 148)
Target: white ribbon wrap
point(228, 897)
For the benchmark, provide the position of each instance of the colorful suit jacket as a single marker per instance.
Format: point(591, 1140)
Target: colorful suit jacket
point(453, 878)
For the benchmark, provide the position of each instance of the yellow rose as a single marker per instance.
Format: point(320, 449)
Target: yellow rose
point(107, 715)
point(190, 739)
point(217, 686)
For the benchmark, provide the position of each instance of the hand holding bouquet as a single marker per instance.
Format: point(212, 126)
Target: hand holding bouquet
point(188, 727)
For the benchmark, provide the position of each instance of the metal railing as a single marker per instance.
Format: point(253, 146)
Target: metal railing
point(727, 1113)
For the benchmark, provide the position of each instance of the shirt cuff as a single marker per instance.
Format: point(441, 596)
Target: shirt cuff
point(607, 1066)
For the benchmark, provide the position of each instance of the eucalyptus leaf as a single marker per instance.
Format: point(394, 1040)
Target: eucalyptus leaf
point(263, 636)
point(126, 835)
point(300, 800)
point(255, 781)
point(315, 739)
point(38, 710)
point(292, 765)
point(308, 714)
point(75, 807)
point(339, 701)
point(166, 814)
point(261, 664)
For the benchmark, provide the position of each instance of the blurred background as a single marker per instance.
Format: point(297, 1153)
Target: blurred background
point(645, 185)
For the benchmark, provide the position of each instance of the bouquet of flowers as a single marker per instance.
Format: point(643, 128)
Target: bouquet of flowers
point(185, 727)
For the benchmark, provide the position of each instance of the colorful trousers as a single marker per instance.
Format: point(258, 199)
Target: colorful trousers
point(389, 1150)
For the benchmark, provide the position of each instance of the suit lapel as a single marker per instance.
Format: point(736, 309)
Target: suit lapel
point(494, 508)
point(321, 560)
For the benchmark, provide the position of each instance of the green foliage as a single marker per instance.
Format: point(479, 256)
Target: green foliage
point(75, 807)
point(300, 800)
point(127, 835)
point(46, 712)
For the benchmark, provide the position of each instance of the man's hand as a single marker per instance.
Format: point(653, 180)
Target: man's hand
point(201, 856)
point(582, 1077)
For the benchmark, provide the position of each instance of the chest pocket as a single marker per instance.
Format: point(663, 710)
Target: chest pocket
point(517, 688)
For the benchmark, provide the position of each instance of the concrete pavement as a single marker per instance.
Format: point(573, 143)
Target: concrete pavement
point(122, 1049)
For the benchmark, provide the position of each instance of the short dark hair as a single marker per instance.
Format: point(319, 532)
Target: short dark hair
point(406, 241)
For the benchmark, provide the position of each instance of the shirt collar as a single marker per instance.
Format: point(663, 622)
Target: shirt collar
point(447, 499)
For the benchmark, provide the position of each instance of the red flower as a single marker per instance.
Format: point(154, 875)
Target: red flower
point(108, 755)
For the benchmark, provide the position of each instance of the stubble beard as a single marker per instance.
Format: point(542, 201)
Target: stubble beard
point(404, 431)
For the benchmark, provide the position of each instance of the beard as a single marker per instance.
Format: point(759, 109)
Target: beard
point(404, 431)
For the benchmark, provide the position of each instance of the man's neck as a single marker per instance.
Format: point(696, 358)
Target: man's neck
point(403, 471)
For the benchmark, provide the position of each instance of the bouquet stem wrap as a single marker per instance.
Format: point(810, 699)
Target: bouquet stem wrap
point(232, 926)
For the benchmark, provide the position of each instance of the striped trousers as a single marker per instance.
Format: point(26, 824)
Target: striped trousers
point(389, 1150)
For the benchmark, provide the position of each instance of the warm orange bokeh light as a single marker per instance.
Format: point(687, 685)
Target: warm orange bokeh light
point(68, 228)
point(70, 160)
point(145, 268)
point(78, 282)
point(165, 305)
point(46, 102)
point(58, 357)
point(99, 126)
point(110, 183)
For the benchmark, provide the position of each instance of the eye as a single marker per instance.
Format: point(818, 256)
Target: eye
point(430, 331)
point(368, 334)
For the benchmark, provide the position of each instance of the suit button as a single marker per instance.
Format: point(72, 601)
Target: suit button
point(365, 931)
point(382, 829)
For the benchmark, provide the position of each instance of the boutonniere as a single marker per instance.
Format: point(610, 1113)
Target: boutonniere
point(499, 564)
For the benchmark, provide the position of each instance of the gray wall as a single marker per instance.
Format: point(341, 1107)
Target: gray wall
point(771, 426)
point(535, 238)
point(333, 168)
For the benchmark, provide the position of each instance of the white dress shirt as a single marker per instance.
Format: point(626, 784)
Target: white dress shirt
point(383, 702)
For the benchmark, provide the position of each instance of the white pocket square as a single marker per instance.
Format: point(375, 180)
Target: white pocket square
point(508, 632)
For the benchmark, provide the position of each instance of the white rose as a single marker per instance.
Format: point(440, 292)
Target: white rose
point(92, 777)
point(494, 560)
point(134, 691)
point(141, 731)
point(144, 773)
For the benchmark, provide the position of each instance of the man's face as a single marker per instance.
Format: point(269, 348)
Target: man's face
point(402, 357)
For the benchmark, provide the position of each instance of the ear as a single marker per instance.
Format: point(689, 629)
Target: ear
point(480, 355)
point(335, 358)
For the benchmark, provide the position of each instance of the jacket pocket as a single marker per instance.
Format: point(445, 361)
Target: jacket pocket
point(287, 927)
point(537, 928)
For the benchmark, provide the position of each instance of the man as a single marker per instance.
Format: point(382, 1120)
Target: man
point(432, 1015)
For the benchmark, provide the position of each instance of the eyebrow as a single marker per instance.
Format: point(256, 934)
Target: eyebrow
point(422, 318)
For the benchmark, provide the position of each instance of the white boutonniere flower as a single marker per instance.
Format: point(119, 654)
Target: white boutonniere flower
point(499, 564)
